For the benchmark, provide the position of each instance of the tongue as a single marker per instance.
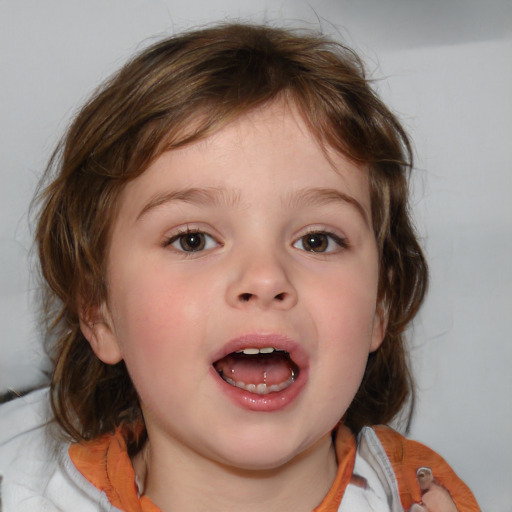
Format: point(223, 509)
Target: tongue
point(271, 369)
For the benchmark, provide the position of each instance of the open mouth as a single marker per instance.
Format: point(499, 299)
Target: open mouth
point(258, 370)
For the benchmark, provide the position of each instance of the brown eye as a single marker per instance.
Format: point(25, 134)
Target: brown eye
point(315, 242)
point(320, 242)
point(192, 242)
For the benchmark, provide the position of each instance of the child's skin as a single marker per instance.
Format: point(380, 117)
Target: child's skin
point(255, 189)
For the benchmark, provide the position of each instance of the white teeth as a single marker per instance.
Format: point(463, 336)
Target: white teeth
point(261, 389)
point(254, 351)
point(251, 351)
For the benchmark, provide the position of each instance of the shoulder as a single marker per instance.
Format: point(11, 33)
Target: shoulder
point(35, 470)
point(22, 421)
point(23, 414)
point(405, 457)
point(25, 460)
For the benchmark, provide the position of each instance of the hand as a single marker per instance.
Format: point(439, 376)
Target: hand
point(434, 497)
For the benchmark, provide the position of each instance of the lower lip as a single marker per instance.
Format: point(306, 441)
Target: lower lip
point(262, 403)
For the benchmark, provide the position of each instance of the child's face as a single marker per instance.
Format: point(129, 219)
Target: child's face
point(249, 239)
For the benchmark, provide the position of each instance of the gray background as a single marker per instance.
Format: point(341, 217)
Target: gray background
point(444, 67)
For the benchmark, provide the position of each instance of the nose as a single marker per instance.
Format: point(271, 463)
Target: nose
point(261, 280)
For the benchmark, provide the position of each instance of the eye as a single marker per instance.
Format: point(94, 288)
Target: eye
point(192, 241)
point(320, 241)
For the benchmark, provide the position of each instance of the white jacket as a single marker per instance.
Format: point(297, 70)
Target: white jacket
point(39, 476)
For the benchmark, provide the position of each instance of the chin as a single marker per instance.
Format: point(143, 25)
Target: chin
point(262, 451)
point(258, 460)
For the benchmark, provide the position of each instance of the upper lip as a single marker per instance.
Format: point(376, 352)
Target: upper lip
point(262, 340)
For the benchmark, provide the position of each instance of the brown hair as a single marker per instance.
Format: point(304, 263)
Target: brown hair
point(181, 90)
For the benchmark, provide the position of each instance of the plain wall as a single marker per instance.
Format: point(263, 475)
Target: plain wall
point(444, 67)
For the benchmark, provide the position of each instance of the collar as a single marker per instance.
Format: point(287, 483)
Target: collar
point(105, 463)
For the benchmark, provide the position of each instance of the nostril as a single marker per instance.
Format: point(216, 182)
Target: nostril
point(245, 297)
point(280, 296)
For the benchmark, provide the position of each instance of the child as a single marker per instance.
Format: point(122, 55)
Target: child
point(230, 267)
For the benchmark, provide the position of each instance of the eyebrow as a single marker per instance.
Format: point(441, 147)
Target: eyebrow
point(215, 196)
point(218, 196)
point(324, 196)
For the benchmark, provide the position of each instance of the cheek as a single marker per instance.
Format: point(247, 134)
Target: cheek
point(348, 303)
point(153, 339)
point(345, 320)
point(152, 320)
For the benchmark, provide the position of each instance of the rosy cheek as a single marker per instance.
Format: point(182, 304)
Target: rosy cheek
point(158, 317)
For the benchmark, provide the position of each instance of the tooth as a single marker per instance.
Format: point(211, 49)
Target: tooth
point(261, 389)
point(254, 351)
point(251, 351)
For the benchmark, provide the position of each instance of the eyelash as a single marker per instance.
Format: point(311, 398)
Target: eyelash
point(182, 234)
point(341, 242)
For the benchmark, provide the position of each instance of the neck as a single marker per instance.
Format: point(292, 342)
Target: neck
point(199, 485)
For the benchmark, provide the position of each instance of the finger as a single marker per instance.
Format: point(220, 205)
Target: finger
point(425, 478)
point(418, 508)
point(438, 499)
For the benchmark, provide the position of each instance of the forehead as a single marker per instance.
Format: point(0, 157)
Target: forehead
point(268, 151)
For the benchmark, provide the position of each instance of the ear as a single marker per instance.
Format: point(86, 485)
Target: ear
point(380, 324)
point(96, 325)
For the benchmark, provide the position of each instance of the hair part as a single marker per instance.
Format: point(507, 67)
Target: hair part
point(179, 91)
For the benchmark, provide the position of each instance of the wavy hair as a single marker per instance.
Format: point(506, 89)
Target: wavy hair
point(179, 91)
